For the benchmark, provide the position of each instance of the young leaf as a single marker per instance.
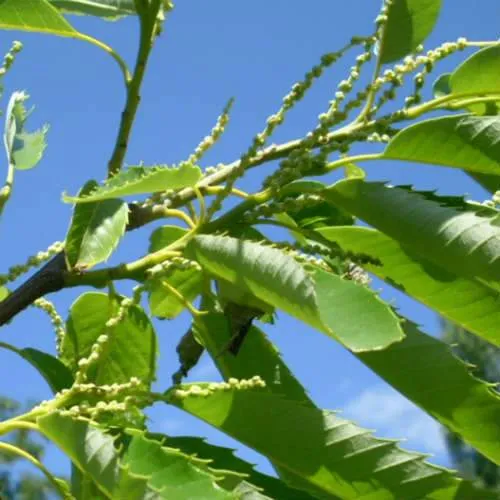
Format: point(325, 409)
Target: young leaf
point(141, 180)
point(328, 453)
point(95, 230)
point(107, 9)
point(163, 304)
point(444, 230)
point(466, 302)
point(131, 349)
point(267, 273)
point(189, 282)
point(426, 372)
point(479, 73)
point(24, 149)
point(355, 314)
point(34, 15)
point(409, 23)
point(461, 141)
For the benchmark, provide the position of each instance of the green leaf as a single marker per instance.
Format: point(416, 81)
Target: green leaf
point(329, 453)
point(34, 15)
point(170, 472)
point(87, 447)
point(461, 141)
point(257, 356)
point(224, 459)
point(426, 372)
point(163, 304)
point(107, 9)
point(24, 149)
point(267, 273)
point(141, 180)
point(466, 302)
point(95, 230)
point(55, 373)
point(409, 23)
point(479, 74)
point(444, 230)
point(131, 349)
point(441, 86)
point(4, 293)
point(189, 282)
point(164, 236)
point(355, 314)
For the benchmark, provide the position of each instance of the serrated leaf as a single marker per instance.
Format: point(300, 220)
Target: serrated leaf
point(426, 372)
point(479, 74)
point(327, 452)
point(267, 273)
point(355, 314)
point(88, 448)
point(107, 9)
point(466, 302)
point(95, 230)
point(258, 356)
point(131, 350)
point(409, 23)
point(446, 231)
point(469, 142)
point(24, 149)
point(34, 15)
point(142, 180)
point(224, 459)
point(170, 472)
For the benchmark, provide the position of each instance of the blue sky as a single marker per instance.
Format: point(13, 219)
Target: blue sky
point(209, 52)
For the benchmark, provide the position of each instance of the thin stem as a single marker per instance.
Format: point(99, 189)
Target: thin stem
point(6, 191)
point(419, 110)
point(194, 312)
point(172, 212)
point(218, 189)
point(148, 21)
point(14, 450)
point(123, 65)
point(350, 159)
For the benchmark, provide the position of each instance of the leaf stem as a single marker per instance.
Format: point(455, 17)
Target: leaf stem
point(6, 191)
point(14, 450)
point(127, 77)
point(350, 159)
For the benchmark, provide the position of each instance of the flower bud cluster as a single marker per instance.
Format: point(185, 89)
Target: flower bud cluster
point(56, 320)
point(34, 261)
point(209, 389)
point(357, 274)
point(214, 136)
point(85, 363)
point(166, 268)
point(10, 57)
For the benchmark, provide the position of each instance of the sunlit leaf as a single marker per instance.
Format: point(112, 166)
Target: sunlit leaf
point(426, 372)
point(24, 149)
point(355, 314)
point(479, 74)
point(445, 230)
point(466, 302)
point(141, 180)
point(131, 349)
point(469, 142)
point(95, 230)
point(107, 9)
point(33, 15)
point(330, 453)
point(409, 23)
